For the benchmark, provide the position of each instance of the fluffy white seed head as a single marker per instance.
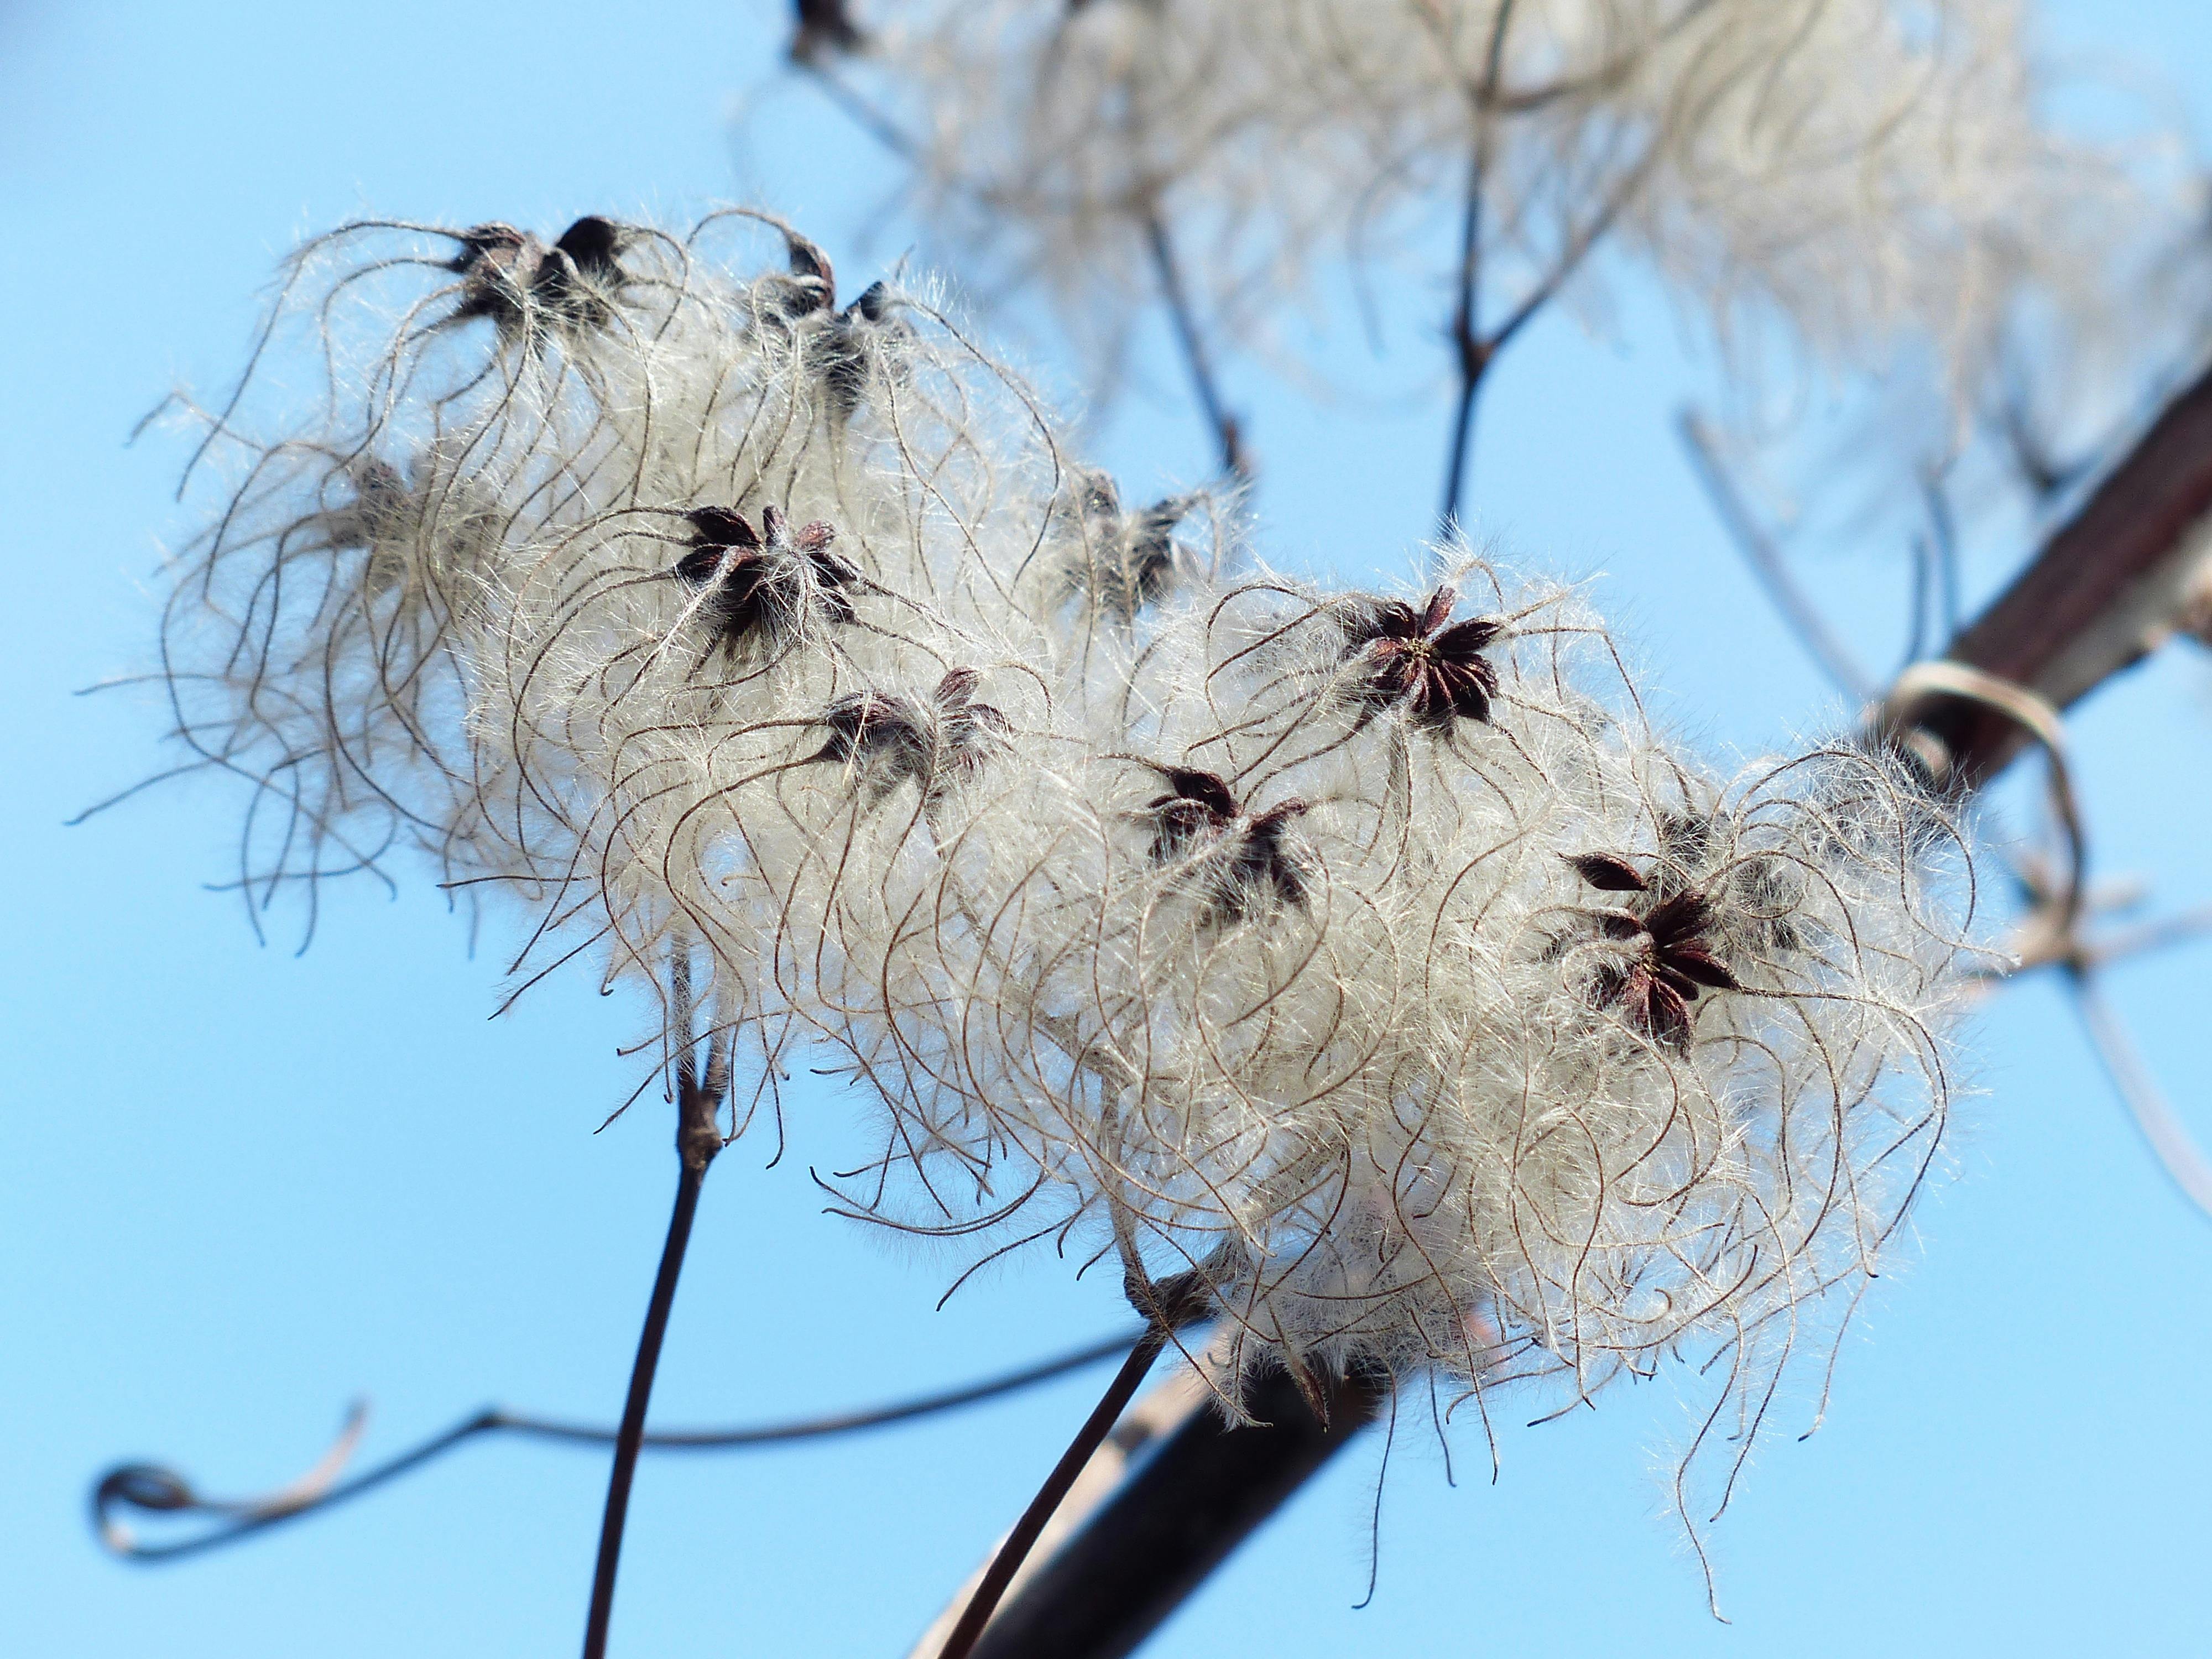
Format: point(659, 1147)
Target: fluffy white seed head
point(1867, 171)
point(1372, 956)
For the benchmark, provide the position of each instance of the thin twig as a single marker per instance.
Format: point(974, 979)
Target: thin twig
point(1158, 1414)
point(1018, 1542)
point(2044, 472)
point(1228, 432)
point(1943, 527)
point(698, 1139)
point(1766, 563)
point(1176, 1514)
point(2169, 1141)
point(151, 1487)
point(2144, 937)
point(1923, 578)
point(1474, 353)
point(2056, 917)
point(1167, 1306)
point(858, 110)
point(1476, 361)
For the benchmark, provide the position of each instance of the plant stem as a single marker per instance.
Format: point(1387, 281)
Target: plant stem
point(1472, 351)
point(152, 1487)
point(631, 1435)
point(1467, 344)
point(1018, 1542)
point(1228, 434)
point(698, 1138)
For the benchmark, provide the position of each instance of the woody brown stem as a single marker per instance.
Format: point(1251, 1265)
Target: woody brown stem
point(2107, 587)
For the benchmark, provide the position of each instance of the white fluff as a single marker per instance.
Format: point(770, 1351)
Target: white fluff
point(1329, 1014)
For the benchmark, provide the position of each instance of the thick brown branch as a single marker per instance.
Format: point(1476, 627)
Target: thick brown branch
point(1177, 1519)
point(2106, 589)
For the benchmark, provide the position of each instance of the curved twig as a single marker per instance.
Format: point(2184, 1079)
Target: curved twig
point(1797, 608)
point(153, 1488)
point(2169, 1141)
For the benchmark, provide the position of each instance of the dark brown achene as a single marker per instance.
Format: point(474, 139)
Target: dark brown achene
point(1197, 804)
point(1133, 558)
point(824, 30)
point(852, 340)
point(1669, 960)
point(1235, 857)
point(938, 742)
point(811, 289)
point(522, 285)
point(1400, 656)
point(770, 590)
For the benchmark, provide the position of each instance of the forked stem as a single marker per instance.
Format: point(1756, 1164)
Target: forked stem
point(1228, 431)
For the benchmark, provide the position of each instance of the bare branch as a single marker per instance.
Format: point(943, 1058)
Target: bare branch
point(2162, 1131)
point(153, 1488)
point(2162, 935)
point(1767, 564)
point(1474, 355)
point(1227, 433)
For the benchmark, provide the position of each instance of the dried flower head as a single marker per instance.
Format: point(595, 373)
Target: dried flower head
point(523, 286)
point(763, 592)
point(936, 743)
point(1651, 965)
point(1231, 861)
point(1390, 974)
point(1400, 655)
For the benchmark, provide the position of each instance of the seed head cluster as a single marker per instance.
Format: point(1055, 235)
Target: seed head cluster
point(1865, 171)
point(1372, 955)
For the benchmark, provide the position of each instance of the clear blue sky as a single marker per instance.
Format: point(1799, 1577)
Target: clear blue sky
point(240, 1188)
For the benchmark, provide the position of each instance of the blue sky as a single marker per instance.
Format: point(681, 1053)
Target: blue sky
point(241, 1186)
